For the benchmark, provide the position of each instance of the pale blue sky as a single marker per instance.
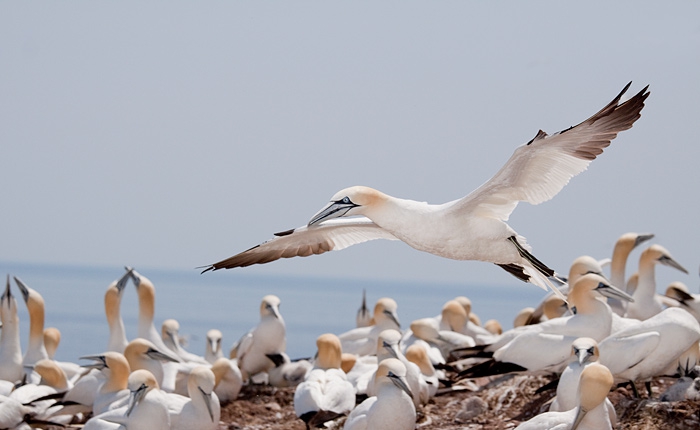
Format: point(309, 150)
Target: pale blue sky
point(175, 134)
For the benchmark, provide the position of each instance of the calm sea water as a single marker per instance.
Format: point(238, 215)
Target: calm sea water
point(229, 301)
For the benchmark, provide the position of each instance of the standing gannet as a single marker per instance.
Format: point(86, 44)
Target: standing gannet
point(646, 303)
point(35, 307)
point(470, 228)
point(113, 391)
point(213, 348)
point(392, 407)
point(170, 333)
point(590, 412)
point(10, 347)
point(623, 247)
point(146, 409)
point(547, 346)
point(326, 393)
point(201, 410)
point(363, 340)
point(268, 337)
point(113, 298)
point(228, 379)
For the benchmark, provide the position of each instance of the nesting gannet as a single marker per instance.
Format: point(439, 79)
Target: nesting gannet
point(287, 372)
point(419, 356)
point(201, 410)
point(590, 412)
point(53, 382)
point(584, 351)
point(494, 327)
point(392, 407)
point(170, 333)
point(35, 307)
point(388, 347)
point(113, 391)
point(326, 393)
point(113, 298)
point(651, 347)
point(470, 228)
point(525, 345)
point(10, 348)
point(146, 409)
point(646, 304)
point(363, 340)
point(228, 379)
point(213, 347)
point(143, 354)
point(439, 343)
point(623, 247)
point(268, 337)
point(363, 317)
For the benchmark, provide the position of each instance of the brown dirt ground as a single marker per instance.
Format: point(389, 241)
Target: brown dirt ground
point(510, 401)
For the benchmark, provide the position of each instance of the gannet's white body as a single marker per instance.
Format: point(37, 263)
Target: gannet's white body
point(470, 228)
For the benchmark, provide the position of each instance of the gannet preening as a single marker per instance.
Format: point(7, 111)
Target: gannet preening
point(113, 298)
point(228, 379)
point(113, 391)
point(623, 247)
point(146, 409)
point(10, 348)
point(268, 337)
point(364, 316)
point(470, 228)
point(213, 350)
point(392, 407)
point(326, 393)
point(287, 372)
point(590, 412)
point(363, 340)
point(646, 303)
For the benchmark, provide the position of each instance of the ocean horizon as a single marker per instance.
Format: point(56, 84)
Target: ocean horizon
point(230, 300)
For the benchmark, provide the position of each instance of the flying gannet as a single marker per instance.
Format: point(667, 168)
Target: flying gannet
point(470, 228)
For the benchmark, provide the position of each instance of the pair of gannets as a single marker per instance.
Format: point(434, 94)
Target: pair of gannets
point(363, 340)
point(624, 245)
point(470, 228)
point(589, 413)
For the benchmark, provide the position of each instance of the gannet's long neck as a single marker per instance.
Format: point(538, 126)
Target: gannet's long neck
point(117, 334)
point(35, 348)
point(10, 346)
point(646, 285)
point(618, 264)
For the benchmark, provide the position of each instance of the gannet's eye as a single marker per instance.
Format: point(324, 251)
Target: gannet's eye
point(346, 200)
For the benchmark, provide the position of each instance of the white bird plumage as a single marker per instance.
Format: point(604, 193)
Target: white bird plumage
point(471, 228)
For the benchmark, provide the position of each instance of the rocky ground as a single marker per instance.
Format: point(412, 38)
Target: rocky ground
point(487, 404)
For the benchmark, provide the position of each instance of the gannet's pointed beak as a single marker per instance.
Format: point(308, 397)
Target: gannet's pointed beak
point(207, 401)
point(334, 209)
point(668, 261)
point(401, 383)
point(580, 413)
point(121, 283)
point(136, 397)
point(99, 362)
point(7, 295)
point(393, 317)
point(23, 288)
point(608, 290)
point(642, 238)
point(583, 355)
